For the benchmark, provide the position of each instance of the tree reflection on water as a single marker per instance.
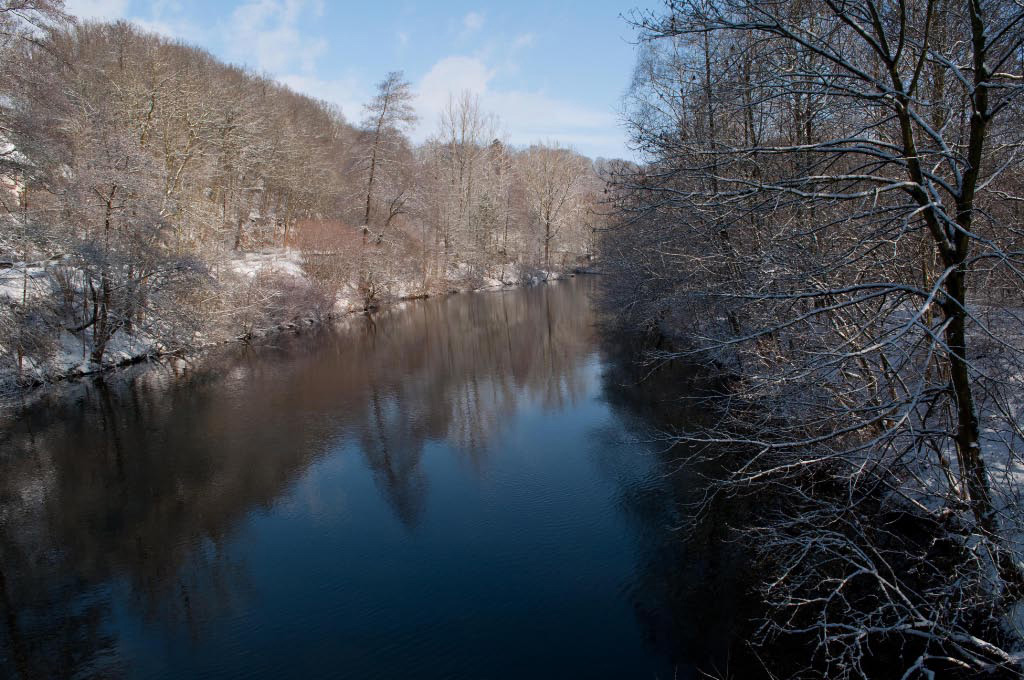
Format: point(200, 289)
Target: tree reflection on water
point(136, 483)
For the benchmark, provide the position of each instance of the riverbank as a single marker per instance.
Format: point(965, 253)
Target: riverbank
point(71, 360)
point(809, 536)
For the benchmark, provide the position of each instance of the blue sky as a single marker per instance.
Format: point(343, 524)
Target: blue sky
point(551, 71)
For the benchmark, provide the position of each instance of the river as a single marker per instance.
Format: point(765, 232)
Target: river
point(450, 489)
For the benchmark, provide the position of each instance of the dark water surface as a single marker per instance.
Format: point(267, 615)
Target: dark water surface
point(445, 491)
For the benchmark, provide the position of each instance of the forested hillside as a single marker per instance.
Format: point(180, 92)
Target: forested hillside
point(156, 200)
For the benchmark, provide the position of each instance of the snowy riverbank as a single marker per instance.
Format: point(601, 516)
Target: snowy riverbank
point(70, 357)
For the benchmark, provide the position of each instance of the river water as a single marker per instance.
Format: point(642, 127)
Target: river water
point(451, 489)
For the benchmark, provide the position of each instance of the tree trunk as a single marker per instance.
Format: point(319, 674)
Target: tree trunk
point(547, 244)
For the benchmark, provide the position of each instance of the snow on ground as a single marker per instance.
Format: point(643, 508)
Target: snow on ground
point(19, 279)
point(344, 304)
point(72, 353)
point(276, 260)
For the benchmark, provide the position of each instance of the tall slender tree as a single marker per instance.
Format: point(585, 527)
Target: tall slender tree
point(386, 116)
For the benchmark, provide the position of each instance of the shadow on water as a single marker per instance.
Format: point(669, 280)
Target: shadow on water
point(693, 581)
point(449, 489)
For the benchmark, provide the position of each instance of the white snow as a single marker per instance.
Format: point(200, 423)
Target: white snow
point(276, 260)
point(32, 280)
point(71, 356)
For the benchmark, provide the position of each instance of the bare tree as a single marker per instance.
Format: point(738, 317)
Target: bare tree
point(457, 157)
point(386, 115)
point(553, 177)
point(830, 184)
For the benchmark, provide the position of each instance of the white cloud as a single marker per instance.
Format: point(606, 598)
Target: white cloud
point(524, 40)
point(473, 22)
point(450, 75)
point(174, 28)
point(528, 116)
point(265, 34)
point(102, 10)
